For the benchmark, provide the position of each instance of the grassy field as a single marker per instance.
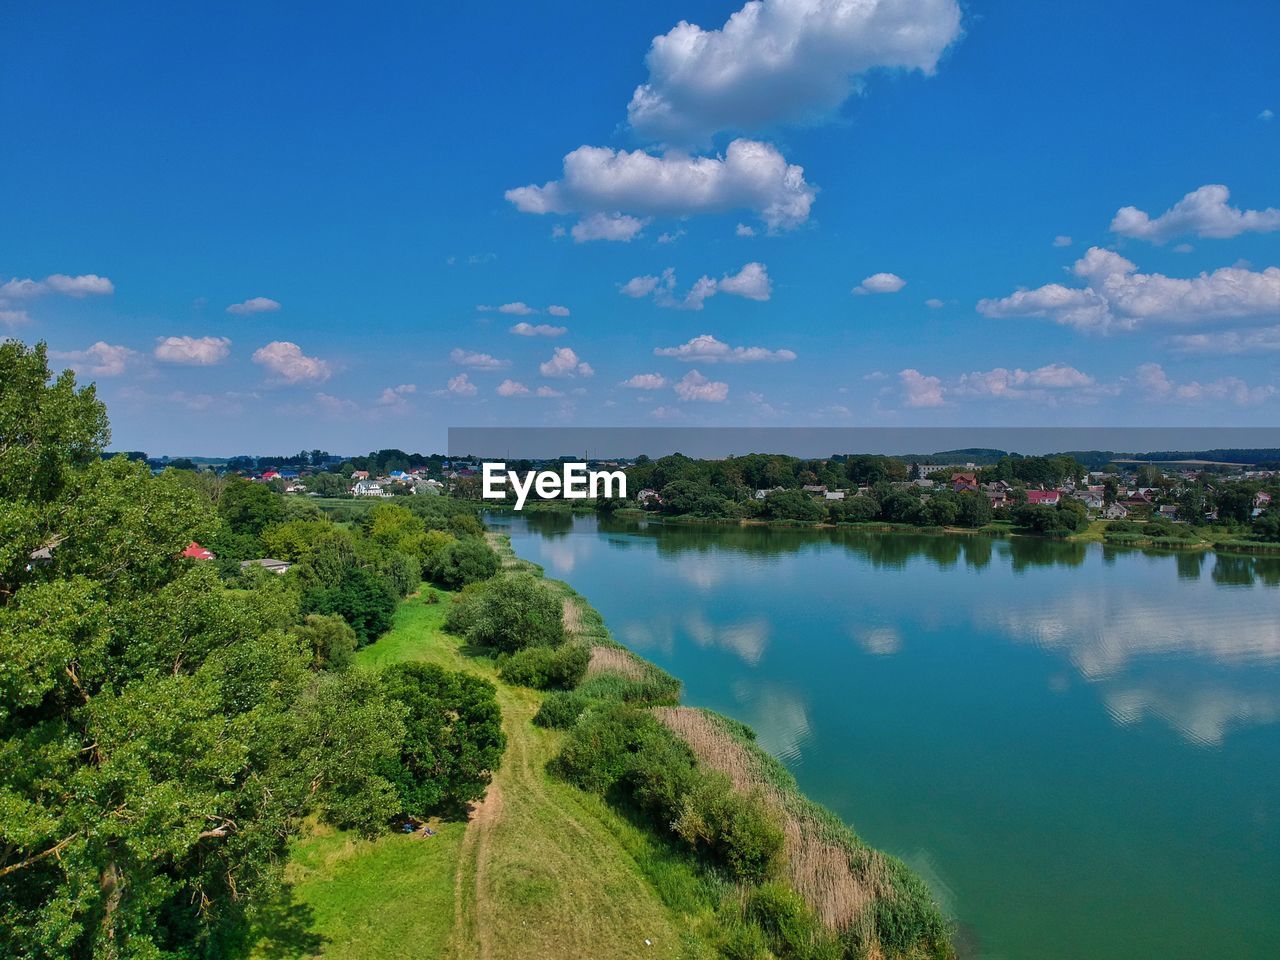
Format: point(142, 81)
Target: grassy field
point(541, 869)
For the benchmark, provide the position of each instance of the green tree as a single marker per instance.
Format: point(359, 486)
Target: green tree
point(360, 597)
point(508, 613)
point(248, 507)
point(453, 737)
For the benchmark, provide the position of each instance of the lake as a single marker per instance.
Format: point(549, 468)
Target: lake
point(1078, 747)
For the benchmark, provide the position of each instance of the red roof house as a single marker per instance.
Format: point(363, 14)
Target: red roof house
point(1045, 498)
point(197, 552)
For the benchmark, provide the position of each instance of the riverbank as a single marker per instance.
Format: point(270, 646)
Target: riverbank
point(542, 868)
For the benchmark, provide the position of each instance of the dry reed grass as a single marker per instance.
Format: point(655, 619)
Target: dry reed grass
point(616, 661)
point(839, 884)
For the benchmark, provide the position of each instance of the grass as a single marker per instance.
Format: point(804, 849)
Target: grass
point(540, 870)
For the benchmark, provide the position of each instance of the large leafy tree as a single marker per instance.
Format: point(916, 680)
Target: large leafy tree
point(160, 736)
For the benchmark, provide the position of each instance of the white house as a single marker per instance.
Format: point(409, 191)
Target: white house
point(369, 488)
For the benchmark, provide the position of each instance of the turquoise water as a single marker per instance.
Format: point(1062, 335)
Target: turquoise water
point(1078, 747)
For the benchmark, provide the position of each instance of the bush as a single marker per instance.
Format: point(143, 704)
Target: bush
point(790, 928)
point(561, 709)
point(509, 613)
point(598, 751)
point(547, 668)
point(330, 640)
point(402, 572)
point(462, 562)
point(360, 597)
point(737, 831)
point(453, 736)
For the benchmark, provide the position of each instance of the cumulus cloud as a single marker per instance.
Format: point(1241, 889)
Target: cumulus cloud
point(781, 61)
point(645, 381)
point(743, 230)
point(519, 308)
point(477, 361)
point(1155, 384)
point(556, 310)
point(618, 227)
point(523, 329)
point(750, 176)
point(1022, 384)
point(287, 361)
point(13, 318)
point(1262, 340)
point(100, 360)
point(547, 392)
point(565, 363)
point(461, 386)
point(671, 236)
point(919, 390)
point(194, 351)
point(395, 396)
point(254, 305)
point(707, 349)
point(512, 388)
point(1117, 297)
point(694, 386)
point(1203, 212)
point(880, 283)
point(751, 282)
point(84, 285)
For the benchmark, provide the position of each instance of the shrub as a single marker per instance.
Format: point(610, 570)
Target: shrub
point(737, 831)
point(561, 709)
point(461, 562)
point(330, 640)
point(360, 597)
point(509, 613)
point(402, 572)
point(599, 750)
point(789, 926)
point(547, 668)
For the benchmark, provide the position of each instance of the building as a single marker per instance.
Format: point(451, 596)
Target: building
point(833, 495)
point(1115, 511)
point(964, 481)
point(924, 469)
point(369, 488)
point(275, 566)
point(1043, 498)
point(196, 552)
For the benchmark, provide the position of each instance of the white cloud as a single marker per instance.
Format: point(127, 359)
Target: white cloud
point(565, 363)
point(523, 329)
point(1203, 212)
point(1061, 241)
point(512, 388)
point(13, 318)
point(556, 310)
point(254, 305)
point(194, 351)
point(1183, 248)
point(547, 392)
point(100, 360)
point(880, 283)
point(1267, 114)
point(1262, 340)
point(1117, 297)
point(670, 236)
point(645, 381)
point(287, 361)
point(933, 303)
point(743, 230)
point(781, 61)
point(519, 308)
point(707, 349)
point(752, 282)
point(694, 386)
point(1156, 384)
point(919, 390)
point(85, 285)
point(1022, 384)
point(750, 176)
point(618, 227)
point(395, 396)
point(461, 386)
point(477, 361)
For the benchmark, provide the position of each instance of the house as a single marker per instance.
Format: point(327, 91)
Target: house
point(814, 489)
point(275, 566)
point(1043, 498)
point(833, 495)
point(761, 494)
point(996, 498)
point(427, 485)
point(369, 488)
point(1261, 501)
point(359, 474)
point(1115, 511)
point(924, 469)
point(295, 488)
point(1092, 501)
point(196, 552)
point(964, 481)
point(647, 495)
point(1167, 512)
point(270, 475)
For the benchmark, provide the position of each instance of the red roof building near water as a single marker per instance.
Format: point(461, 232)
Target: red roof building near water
point(197, 552)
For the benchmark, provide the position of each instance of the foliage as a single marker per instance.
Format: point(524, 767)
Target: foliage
point(547, 668)
point(561, 709)
point(508, 613)
point(248, 507)
point(453, 740)
point(360, 597)
point(330, 640)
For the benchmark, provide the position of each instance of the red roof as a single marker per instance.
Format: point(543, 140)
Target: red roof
point(1042, 496)
point(197, 552)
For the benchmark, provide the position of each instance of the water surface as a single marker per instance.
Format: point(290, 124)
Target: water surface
point(1078, 747)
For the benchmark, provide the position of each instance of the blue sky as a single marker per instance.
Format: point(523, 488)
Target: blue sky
point(954, 250)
